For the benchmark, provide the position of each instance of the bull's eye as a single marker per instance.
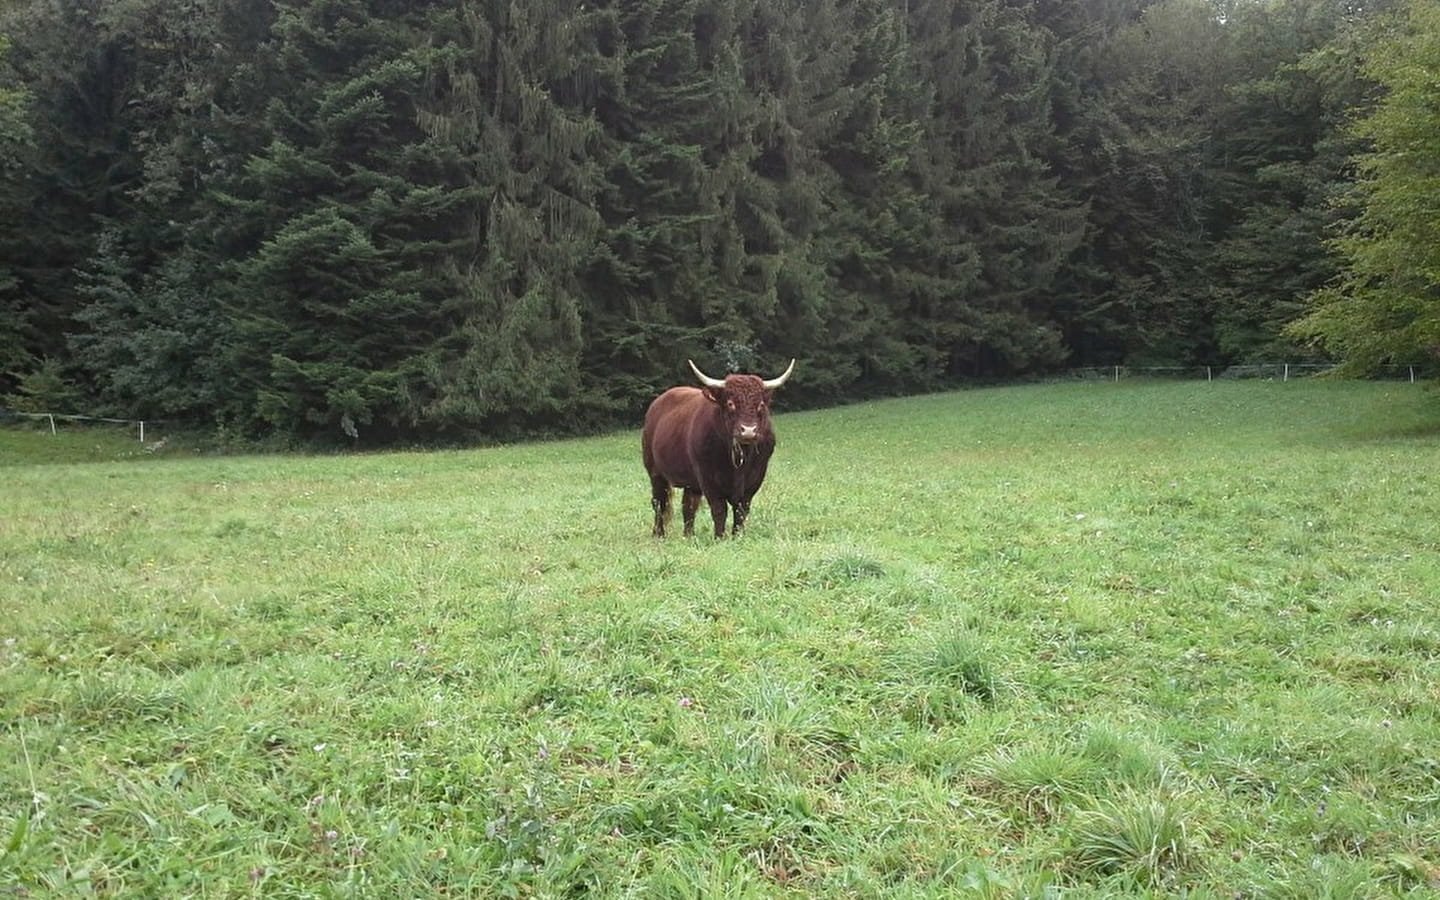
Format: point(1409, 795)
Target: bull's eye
point(730, 405)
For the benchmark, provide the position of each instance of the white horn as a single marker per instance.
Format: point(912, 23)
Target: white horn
point(705, 379)
point(774, 383)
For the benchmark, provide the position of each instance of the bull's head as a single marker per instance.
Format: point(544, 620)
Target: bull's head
point(744, 401)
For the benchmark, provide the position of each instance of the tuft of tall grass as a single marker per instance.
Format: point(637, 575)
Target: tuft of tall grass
point(1144, 837)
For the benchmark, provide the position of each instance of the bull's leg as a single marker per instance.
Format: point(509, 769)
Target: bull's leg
point(660, 502)
point(719, 508)
point(742, 512)
point(689, 503)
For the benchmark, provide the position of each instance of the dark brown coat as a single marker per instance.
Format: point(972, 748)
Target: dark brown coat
point(714, 442)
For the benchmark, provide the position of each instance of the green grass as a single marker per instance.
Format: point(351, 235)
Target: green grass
point(1079, 641)
point(30, 442)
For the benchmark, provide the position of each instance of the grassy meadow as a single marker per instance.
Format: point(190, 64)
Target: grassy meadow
point(1066, 641)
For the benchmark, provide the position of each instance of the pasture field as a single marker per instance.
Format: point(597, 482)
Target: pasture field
point(1069, 641)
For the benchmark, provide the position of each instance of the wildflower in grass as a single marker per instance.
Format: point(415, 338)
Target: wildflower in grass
point(685, 702)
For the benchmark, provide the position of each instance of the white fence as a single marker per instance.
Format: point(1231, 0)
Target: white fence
point(68, 417)
point(1281, 371)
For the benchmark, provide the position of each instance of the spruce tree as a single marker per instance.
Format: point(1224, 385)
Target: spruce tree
point(1006, 225)
point(154, 344)
point(670, 278)
point(1275, 157)
point(125, 147)
point(17, 339)
point(1132, 150)
point(70, 163)
point(335, 228)
point(508, 112)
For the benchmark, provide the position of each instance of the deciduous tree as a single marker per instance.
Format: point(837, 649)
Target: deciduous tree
point(1385, 305)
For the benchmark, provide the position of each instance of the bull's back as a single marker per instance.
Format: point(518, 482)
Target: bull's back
point(667, 430)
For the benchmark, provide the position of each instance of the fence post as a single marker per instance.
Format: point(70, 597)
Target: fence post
point(52, 422)
point(1287, 373)
point(1412, 374)
point(1208, 376)
point(1117, 373)
point(142, 431)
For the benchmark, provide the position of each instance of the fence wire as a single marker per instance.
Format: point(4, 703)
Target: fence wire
point(1281, 371)
point(76, 417)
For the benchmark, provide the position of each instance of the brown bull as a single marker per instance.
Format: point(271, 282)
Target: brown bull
point(713, 442)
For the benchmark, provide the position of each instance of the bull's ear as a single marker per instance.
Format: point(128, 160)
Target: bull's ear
point(711, 394)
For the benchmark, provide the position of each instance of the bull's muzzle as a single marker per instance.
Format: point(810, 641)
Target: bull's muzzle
point(745, 438)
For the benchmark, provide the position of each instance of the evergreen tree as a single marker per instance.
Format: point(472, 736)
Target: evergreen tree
point(1134, 153)
point(332, 218)
point(708, 189)
point(17, 341)
point(1006, 224)
point(155, 347)
point(123, 94)
point(651, 269)
point(45, 388)
point(817, 170)
point(508, 118)
point(878, 233)
point(74, 164)
point(1276, 155)
point(335, 228)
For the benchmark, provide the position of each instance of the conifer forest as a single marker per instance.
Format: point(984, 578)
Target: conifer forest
point(408, 222)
